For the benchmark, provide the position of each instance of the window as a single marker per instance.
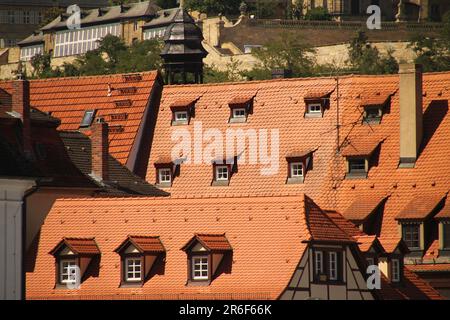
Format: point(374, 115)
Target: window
point(411, 235)
point(200, 267)
point(239, 113)
point(372, 114)
point(333, 272)
point(395, 270)
point(446, 232)
point(222, 173)
point(357, 165)
point(181, 116)
point(296, 169)
point(165, 175)
point(133, 269)
point(68, 271)
point(318, 262)
point(314, 108)
point(87, 119)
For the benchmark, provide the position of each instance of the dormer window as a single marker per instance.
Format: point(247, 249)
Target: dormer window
point(360, 154)
point(74, 256)
point(391, 261)
point(165, 172)
point(181, 116)
point(411, 235)
point(208, 254)
point(373, 114)
point(182, 111)
point(240, 108)
point(223, 171)
point(315, 108)
point(298, 163)
point(374, 106)
point(327, 265)
point(140, 256)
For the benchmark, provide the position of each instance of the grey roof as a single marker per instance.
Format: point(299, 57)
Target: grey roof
point(164, 18)
point(121, 180)
point(33, 39)
point(145, 9)
point(53, 3)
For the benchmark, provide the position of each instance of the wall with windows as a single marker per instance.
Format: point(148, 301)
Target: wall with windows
point(26, 53)
point(73, 42)
point(328, 272)
point(154, 33)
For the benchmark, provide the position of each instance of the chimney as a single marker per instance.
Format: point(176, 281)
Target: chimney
point(100, 149)
point(21, 106)
point(411, 123)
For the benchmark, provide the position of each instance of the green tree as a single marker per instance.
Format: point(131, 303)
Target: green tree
point(290, 52)
point(366, 59)
point(433, 52)
point(166, 4)
point(214, 6)
point(318, 13)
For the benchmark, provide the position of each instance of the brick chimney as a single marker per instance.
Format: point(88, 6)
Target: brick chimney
point(411, 114)
point(100, 149)
point(21, 105)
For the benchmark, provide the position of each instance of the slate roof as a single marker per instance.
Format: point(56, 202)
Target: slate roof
point(121, 180)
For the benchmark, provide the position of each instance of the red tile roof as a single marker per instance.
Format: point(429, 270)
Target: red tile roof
point(421, 206)
point(375, 98)
point(390, 244)
point(69, 98)
point(82, 246)
point(361, 146)
point(365, 242)
point(211, 242)
point(445, 212)
point(265, 233)
point(362, 207)
point(145, 244)
point(439, 267)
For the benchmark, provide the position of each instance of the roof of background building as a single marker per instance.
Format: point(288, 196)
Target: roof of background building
point(123, 106)
point(53, 3)
point(146, 9)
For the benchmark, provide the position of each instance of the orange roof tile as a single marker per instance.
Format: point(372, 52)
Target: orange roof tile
point(69, 98)
point(375, 98)
point(365, 242)
point(361, 146)
point(175, 220)
point(390, 244)
point(420, 207)
point(212, 242)
point(439, 267)
point(82, 246)
point(363, 207)
point(144, 244)
point(445, 212)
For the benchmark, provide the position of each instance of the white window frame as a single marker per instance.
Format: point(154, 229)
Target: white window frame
point(292, 166)
point(312, 106)
point(65, 273)
point(333, 265)
point(200, 262)
point(318, 262)
point(237, 113)
point(163, 173)
point(178, 113)
point(395, 270)
point(133, 269)
point(220, 175)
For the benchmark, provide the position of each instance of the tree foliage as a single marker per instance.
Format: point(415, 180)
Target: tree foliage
point(434, 52)
point(366, 59)
point(49, 15)
point(214, 6)
point(112, 56)
point(318, 13)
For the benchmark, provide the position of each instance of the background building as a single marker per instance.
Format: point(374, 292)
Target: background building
point(19, 18)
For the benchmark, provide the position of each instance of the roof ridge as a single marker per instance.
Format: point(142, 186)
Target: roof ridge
point(110, 75)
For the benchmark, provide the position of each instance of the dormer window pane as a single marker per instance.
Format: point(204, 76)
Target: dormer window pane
point(318, 262)
point(395, 270)
point(239, 113)
point(68, 271)
point(87, 119)
point(357, 165)
point(222, 173)
point(296, 170)
point(165, 175)
point(411, 235)
point(314, 108)
point(333, 265)
point(133, 269)
point(200, 267)
point(181, 116)
point(373, 114)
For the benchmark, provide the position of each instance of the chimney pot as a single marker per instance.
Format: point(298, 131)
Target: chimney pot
point(100, 149)
point(411, 114)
